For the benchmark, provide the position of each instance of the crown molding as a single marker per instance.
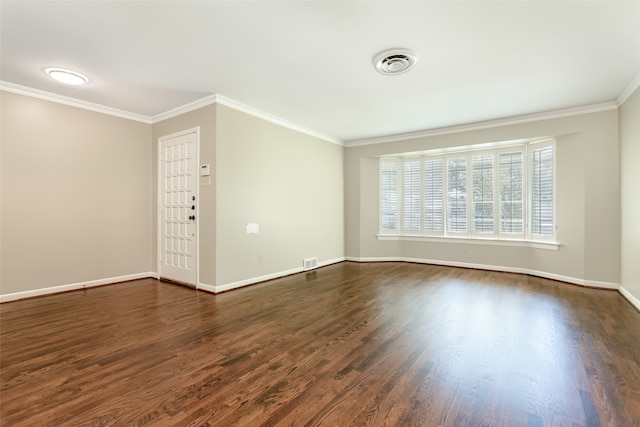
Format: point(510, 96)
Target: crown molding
point(199, 103)
point(236, 105)
point(239, 106)
point(72, 102)
point(485, 124)
point(228, 102)
point(628, 91)
point(182, 109)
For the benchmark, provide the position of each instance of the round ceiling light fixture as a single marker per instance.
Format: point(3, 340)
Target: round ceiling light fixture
point(67, 77)
point(395, 61)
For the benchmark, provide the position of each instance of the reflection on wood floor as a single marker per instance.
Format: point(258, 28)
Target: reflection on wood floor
point(375, 344)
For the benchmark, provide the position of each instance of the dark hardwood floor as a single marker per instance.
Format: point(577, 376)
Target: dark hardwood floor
point(381, 344)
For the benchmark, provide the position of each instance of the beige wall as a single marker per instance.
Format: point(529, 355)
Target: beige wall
point(289, 183)
point(76, 195)
point(204, 119)
point(587, 201)
point(630, 194)
point(79, 194)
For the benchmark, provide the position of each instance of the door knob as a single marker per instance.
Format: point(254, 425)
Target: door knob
point(192, 217)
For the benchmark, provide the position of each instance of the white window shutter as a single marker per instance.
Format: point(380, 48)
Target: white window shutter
point(457, 194)
point(411, 190)
point(511, 188)
point(389, 197)
point(482, 201)
point(433, 201)
point(542, 215)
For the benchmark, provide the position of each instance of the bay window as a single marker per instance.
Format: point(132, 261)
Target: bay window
point(504, 193)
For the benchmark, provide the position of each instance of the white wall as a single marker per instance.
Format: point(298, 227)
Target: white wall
point(76, 196)
point(290, 183)
point(587, 201)
point(630, 197)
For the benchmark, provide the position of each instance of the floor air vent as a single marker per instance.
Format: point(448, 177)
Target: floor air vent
point(309, 264)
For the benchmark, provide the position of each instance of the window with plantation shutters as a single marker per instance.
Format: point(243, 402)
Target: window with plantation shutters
point(511, 188)
point(389, 195)
point(411, 195)
point(542, 191)
point(457, 194)
point(433, 202)
point(504, 193)
point(482, 193)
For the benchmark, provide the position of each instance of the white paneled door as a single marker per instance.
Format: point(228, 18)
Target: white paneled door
point(177, 208)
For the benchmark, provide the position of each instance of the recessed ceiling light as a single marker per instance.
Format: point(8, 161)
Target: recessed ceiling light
point(67, 77)
point(395, 61)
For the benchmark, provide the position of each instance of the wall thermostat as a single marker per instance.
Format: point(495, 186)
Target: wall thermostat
point(205, 170)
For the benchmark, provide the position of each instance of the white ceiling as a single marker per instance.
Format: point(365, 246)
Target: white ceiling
point(310, 63)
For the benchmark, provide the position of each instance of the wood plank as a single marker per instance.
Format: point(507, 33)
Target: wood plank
point(375, 344)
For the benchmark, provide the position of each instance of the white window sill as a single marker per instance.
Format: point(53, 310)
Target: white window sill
point(551, 246)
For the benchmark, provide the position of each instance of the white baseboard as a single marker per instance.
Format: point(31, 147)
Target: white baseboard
point(246, 282)
point(331, 261)
point(74, 286)
point(253, 280)
point(204, 287)
point(241, 283)
point(543, 274)
point(601, 285)
point(633, 300)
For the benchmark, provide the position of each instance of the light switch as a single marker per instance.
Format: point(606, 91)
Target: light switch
point(253, 228)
